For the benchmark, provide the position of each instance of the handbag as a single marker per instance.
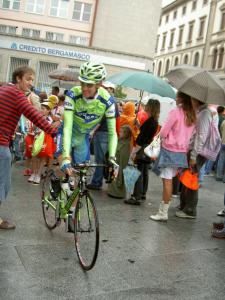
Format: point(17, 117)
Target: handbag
point(153, 149)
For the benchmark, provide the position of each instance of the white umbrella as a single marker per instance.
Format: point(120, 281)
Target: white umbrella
point(197, 83)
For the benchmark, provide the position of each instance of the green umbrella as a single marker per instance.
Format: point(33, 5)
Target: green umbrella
point(143, 81)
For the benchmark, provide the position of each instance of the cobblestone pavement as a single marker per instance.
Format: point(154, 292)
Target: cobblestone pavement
point(138, 258)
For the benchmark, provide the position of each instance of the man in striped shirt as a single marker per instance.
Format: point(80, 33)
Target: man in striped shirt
point(14, 103)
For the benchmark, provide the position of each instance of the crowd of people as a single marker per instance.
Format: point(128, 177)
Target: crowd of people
point(59, 128)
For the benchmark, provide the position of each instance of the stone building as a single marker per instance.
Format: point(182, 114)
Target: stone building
point(64, 33)
point(191, 32)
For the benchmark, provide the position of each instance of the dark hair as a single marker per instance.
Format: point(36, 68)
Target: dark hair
point(153, 106)
point(65, 92)
point(128, 131)
point(220, 109)
point(55, 88)
point(61, 97)
point(20, 72)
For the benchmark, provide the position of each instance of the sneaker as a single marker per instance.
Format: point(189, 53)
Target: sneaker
point(37, 179)
point(91, 186)
point(6, 224)
point(220, 234)
point(181, 214)
point(132, 201)
point(221, 213)
point(31, 178)
point(218, 226)
point(175, 196)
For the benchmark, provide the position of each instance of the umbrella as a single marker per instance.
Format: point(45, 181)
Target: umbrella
point(143, 81)
point(63, 84)
point(65, 74)
point(197, 83)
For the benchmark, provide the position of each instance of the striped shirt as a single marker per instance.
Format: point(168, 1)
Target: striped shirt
point(13, 103)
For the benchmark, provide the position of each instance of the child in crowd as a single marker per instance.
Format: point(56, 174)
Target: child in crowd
point(47, 150)
point(117, 188)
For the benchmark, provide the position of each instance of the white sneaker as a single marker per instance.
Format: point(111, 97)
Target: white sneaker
point(31, 178)
point(37, 179)
point(181, 214)
point(221, 213)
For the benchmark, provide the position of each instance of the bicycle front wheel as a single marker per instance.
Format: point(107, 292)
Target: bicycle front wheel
point(48, 201)
point(86, 231)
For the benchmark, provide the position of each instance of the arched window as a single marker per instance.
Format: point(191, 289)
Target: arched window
point(176, 61)
point(214, 59)
point(220, 62)
point(186, 59)
point(159, 68)
point(196, 59)
point(167, 65)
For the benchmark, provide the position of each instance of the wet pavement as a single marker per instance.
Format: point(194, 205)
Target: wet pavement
point(138, 258)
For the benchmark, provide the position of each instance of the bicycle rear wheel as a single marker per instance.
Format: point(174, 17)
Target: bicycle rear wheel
point(86, 231)
point(48, 201)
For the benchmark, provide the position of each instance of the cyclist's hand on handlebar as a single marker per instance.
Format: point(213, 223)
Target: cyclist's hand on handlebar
point(66, 167)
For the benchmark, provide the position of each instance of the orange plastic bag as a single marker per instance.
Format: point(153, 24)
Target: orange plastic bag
point(189, 179)
point(48, 148)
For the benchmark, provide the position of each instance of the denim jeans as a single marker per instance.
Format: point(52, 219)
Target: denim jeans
point(100, 149)
point(220, 172)
point(5, 172)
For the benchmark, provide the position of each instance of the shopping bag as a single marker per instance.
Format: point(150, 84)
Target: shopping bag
point(131, 175)
point(38, 144)
point(153, 149)
point(189, 179)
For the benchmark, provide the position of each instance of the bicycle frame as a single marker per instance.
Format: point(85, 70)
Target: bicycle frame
point(63, 209)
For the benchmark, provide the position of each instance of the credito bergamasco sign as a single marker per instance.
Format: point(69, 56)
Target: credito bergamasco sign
point(50, 51)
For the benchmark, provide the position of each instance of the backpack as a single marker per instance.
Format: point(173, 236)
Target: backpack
point(212, 145)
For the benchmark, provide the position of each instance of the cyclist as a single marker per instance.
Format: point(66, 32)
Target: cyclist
point(85, 106)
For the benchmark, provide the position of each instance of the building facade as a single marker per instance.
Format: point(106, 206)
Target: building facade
point(64, 33)
point(191, 32)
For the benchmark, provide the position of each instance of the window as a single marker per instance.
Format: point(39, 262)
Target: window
point(11, 4)
point(196, 59)
point(27, 32)
point(15, 63)
point(82, 11)
point(214, 59)
point(35, 6)
point(202, 27)
point(159, 68)
point(157, 43)
point(186, 59)
point(176, 61)
point(194, 4)
point(59, 8)
point(190, 33)
point(172, 37)
point(175, 14)
point(80, 40)
point(43, 80)
point(221, 55)
point(54, 36)
point(167, 66)
point(163, 41)
point(222, 24)
point(181, 31)
point(184, 10)
point(167, 18)
point(8, 29)
point(205, 2)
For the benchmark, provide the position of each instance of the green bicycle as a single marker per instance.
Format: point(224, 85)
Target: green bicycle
point(77, 209)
